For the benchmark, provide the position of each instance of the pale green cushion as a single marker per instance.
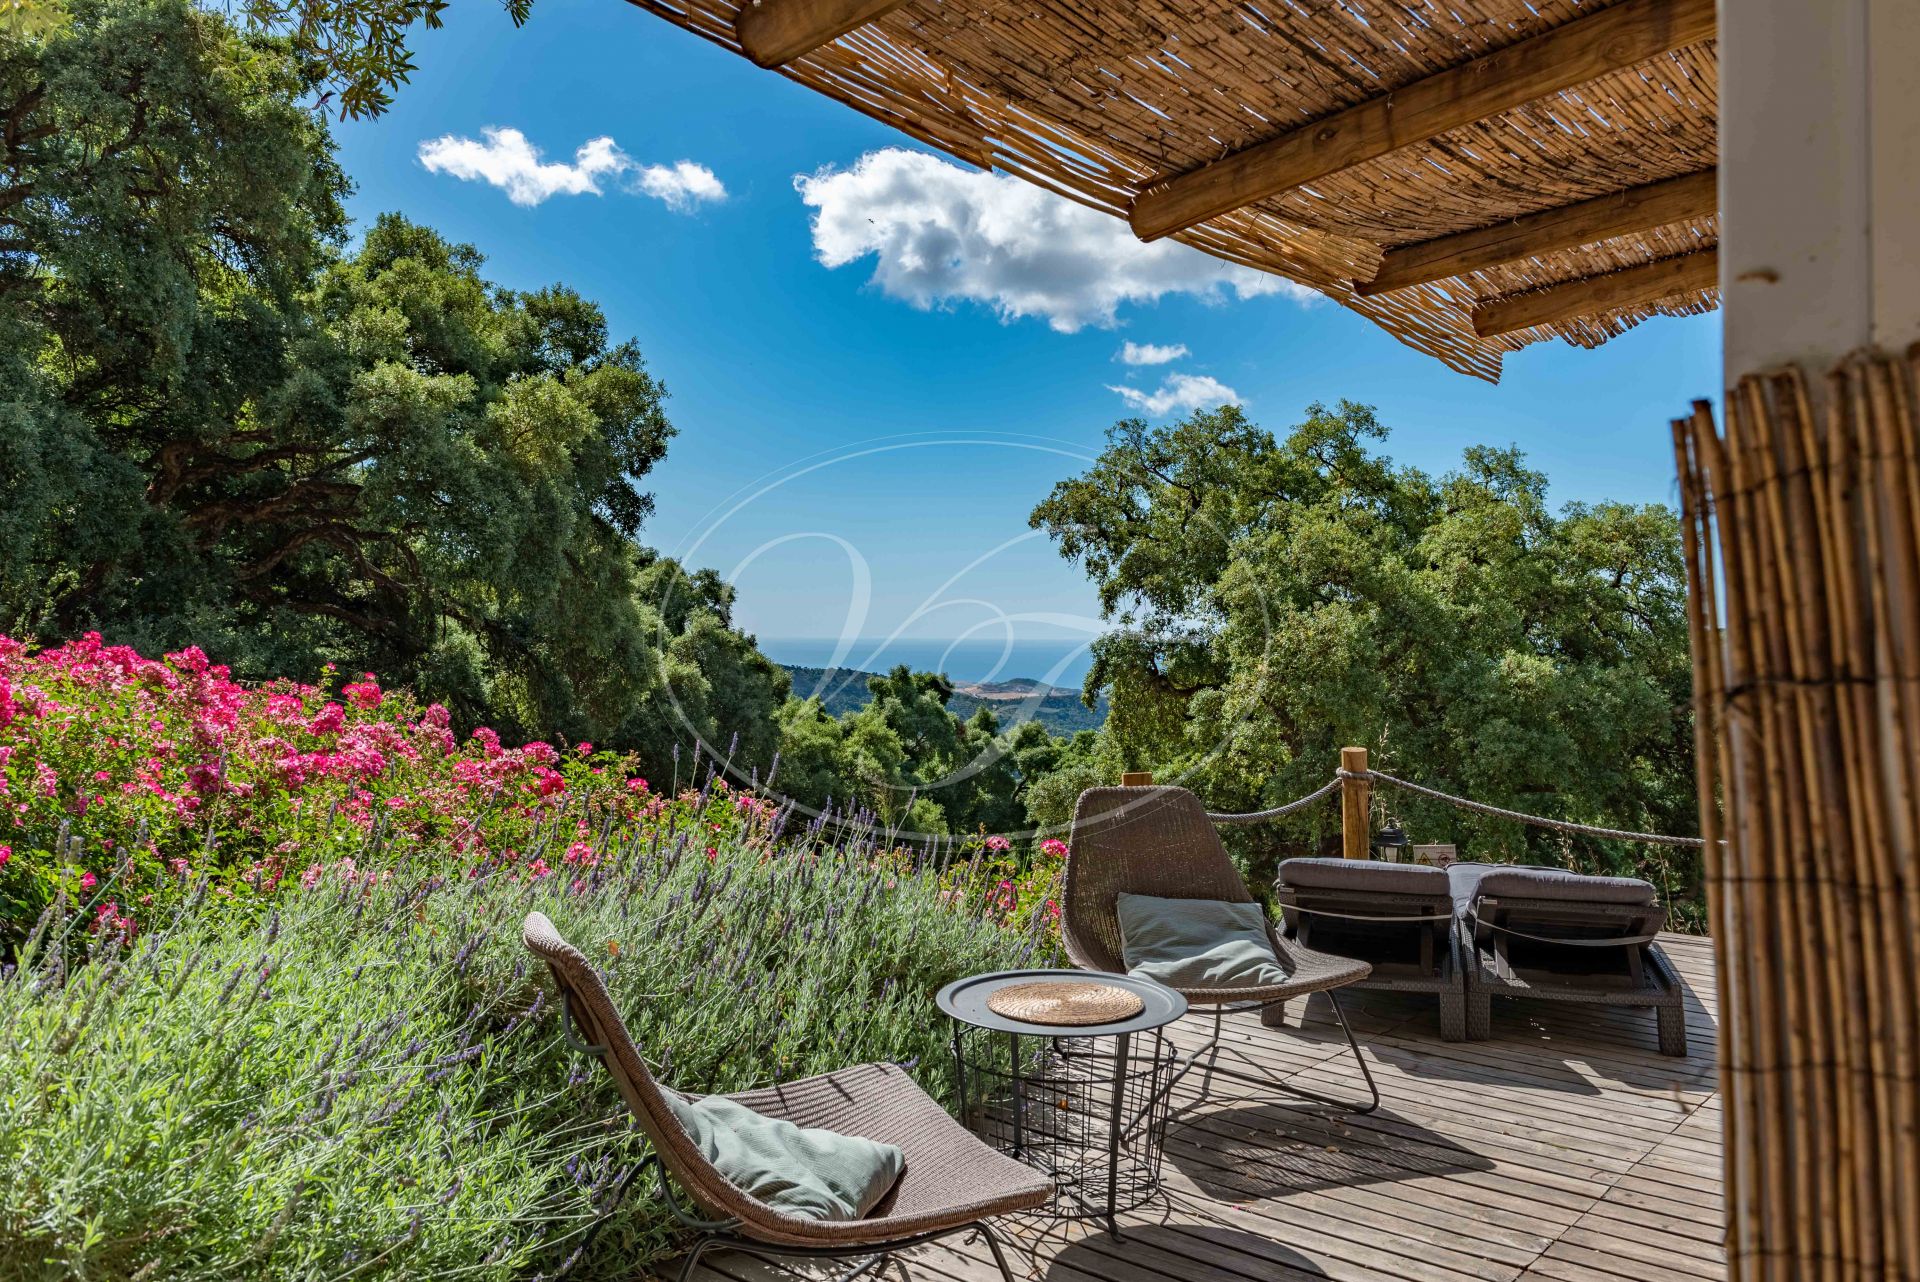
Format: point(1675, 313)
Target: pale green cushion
point(1196, 943)
point(803, 1171)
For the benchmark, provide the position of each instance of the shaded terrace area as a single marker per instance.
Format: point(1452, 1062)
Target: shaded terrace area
point(1567, 1148)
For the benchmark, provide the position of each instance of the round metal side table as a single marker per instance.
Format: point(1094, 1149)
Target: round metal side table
point(1084, 1102)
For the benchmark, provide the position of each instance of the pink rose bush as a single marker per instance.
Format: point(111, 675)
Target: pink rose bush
point(124, 777)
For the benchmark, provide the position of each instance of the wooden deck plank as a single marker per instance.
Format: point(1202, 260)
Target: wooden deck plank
point(1566, 1149)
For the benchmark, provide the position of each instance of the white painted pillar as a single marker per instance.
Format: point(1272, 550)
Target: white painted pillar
point(1819, 260)
point(1819, 179)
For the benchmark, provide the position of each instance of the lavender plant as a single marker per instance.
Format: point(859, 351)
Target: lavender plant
point(366, 1080)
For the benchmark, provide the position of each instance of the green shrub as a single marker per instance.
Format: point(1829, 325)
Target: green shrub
point(364, 1077)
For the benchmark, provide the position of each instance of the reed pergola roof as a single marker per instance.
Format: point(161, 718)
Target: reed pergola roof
point(1473, 178)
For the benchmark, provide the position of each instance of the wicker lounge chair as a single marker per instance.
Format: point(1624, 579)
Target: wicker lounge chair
point(952, 1182)
point(1396, 917)
point(1158, 841)
point(1548, 933)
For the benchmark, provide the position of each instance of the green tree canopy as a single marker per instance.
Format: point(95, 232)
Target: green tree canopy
point(223, 428)
point(1280, 598)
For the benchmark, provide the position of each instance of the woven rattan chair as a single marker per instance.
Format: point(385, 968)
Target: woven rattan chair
point(1158, 841)
point(952, 1182)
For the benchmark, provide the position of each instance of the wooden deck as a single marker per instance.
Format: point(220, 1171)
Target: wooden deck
point(1565, 1148)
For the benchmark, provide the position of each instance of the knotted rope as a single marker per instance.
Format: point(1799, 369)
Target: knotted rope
point(1261, 816)
point(1520, 816)
point(1498, 812)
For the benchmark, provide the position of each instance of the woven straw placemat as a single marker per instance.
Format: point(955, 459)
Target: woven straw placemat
point(1065, 1001)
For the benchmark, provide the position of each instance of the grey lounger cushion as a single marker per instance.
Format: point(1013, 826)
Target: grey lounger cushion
point(1194, 944)
point(1364, 874)
point(805, 1171)
point(1527, 881)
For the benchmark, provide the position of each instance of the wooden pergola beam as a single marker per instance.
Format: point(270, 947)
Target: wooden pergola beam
point(775, 32)
point(1618, 36)
point(1628, 287)
point(1615, 214)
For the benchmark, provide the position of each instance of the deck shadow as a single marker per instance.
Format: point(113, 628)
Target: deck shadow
point(1254, 1150)
point(1547, 1045)
point(1190, 1253)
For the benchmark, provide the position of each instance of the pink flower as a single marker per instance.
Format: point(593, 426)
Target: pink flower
point(331, 719)
point(1054, 847)
point(45, 779)
point(112, 917)
point(192, 660)
point(999, 845)
point(584, 749)
point(88, 881)
point(6, 853)
point(636, 784)
point(363, 694)
point(539, 868)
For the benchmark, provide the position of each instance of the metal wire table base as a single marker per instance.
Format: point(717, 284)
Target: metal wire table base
point(1089, 1111)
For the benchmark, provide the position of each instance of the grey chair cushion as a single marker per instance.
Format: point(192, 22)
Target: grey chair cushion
point(1364, 874)
point(1527, 881)
point(810, 1172)
point(1195, 944)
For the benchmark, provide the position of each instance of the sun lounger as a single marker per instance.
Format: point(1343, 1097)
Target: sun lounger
point(1548, 933)
point(1398, 918)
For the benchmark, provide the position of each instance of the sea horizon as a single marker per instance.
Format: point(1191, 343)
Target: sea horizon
point(1057, 661)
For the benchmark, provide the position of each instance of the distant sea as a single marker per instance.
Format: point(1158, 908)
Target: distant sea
point(1059, 662)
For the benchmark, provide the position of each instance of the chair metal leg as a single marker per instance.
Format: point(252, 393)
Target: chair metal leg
point(872, 1264)
point(999, 1256)
point(1373, 1090)
point(872, 1259)
point(1212, 1067)
point(704, 1244)
point(1213, 1056)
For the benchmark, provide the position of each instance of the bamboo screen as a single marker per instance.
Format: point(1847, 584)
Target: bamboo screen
point(1094, 98)
point(1803, 547)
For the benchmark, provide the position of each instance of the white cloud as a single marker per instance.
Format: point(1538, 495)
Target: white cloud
point(508, 161)
point(1180, 392)
point(1152, 353)
point(942, 233)
point(681, 186)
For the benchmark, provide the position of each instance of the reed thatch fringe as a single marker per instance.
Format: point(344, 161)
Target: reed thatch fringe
point(1802, 540)
point(1093, 99)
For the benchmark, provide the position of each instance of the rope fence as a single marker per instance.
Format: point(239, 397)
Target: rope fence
point(1465, 803)
point(1261, 816)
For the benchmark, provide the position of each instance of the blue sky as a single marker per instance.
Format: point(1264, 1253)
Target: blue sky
point(835, 434)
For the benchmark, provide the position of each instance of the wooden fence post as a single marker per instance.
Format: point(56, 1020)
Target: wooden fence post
point(1136, 779)
point(1353, 804)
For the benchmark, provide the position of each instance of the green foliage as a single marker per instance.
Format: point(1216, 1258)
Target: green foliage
point(356, 49)
point(1279, 599)
point(219, 429)
point(370, 1080)
point(905, 757)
